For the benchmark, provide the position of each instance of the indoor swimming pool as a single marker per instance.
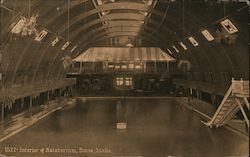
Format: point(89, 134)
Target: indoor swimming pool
point(154, 127)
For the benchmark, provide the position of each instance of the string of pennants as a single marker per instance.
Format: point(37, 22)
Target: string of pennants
point(21, 26)
point(40, 36)
point(226, 24)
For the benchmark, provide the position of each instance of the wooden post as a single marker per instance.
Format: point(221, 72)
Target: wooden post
point(72, 88)
point(241, 87)
point(22, 102)
point(2, 114)
point(30, 106)
point(168, 66)
point(59, 98)
point(145, 66)
point(60, 92)
point(80, 67)
point(48, 95)
point(155, 67)
point(243, 112)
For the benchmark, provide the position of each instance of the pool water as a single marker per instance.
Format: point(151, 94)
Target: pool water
point(154, 127)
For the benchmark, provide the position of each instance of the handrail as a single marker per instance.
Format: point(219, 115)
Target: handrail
point(240, 87)
point(221, 104)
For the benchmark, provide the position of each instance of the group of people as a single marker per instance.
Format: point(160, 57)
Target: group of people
point(93, 85)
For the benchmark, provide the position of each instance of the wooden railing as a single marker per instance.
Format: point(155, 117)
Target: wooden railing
point(240, 88)
point(233, 101)
point(147, 70)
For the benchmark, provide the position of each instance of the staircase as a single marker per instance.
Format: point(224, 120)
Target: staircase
point(233, 101)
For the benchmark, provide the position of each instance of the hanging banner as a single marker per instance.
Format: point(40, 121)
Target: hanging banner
point(41, 35)
point(56, 41)
point(1, 58)
point(73, 49)
point(229, 26)
point(183, 46)
point(193, 41)
point(170, 51)
point(25, 26)
point(65, 45)
point(207, 35)
point(175, 49)
point(17, 29)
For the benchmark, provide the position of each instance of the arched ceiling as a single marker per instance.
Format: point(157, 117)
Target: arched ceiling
point(85, 23)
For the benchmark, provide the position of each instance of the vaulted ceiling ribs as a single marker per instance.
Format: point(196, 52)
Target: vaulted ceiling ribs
point(124, 11)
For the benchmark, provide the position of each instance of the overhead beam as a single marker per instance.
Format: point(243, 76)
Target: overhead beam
point(108, 7)
point(99, 30)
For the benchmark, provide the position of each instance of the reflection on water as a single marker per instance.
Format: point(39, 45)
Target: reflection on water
point(155, 127)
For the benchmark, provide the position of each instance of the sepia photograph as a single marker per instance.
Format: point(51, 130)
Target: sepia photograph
point(124, 78)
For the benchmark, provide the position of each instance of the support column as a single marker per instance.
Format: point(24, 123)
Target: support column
point(243, 112)
point(145, 66)
point(22, 102)
point(246, 101)
point(72, 90)
point(59, 97)
point(80, 67)
point(168, 66)
point(189, 93)
point(2, 114)
point(197, 94)
point(48, 95)
point(30, 106)
point(155, 67)
point(213, 98)
point(60, 92)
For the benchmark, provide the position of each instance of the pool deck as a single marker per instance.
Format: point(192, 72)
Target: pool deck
point(20, 122)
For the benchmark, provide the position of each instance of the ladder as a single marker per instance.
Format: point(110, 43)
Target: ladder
point(233, 101)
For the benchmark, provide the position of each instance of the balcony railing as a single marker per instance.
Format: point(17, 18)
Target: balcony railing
point(152, 70)
point(35, 88)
